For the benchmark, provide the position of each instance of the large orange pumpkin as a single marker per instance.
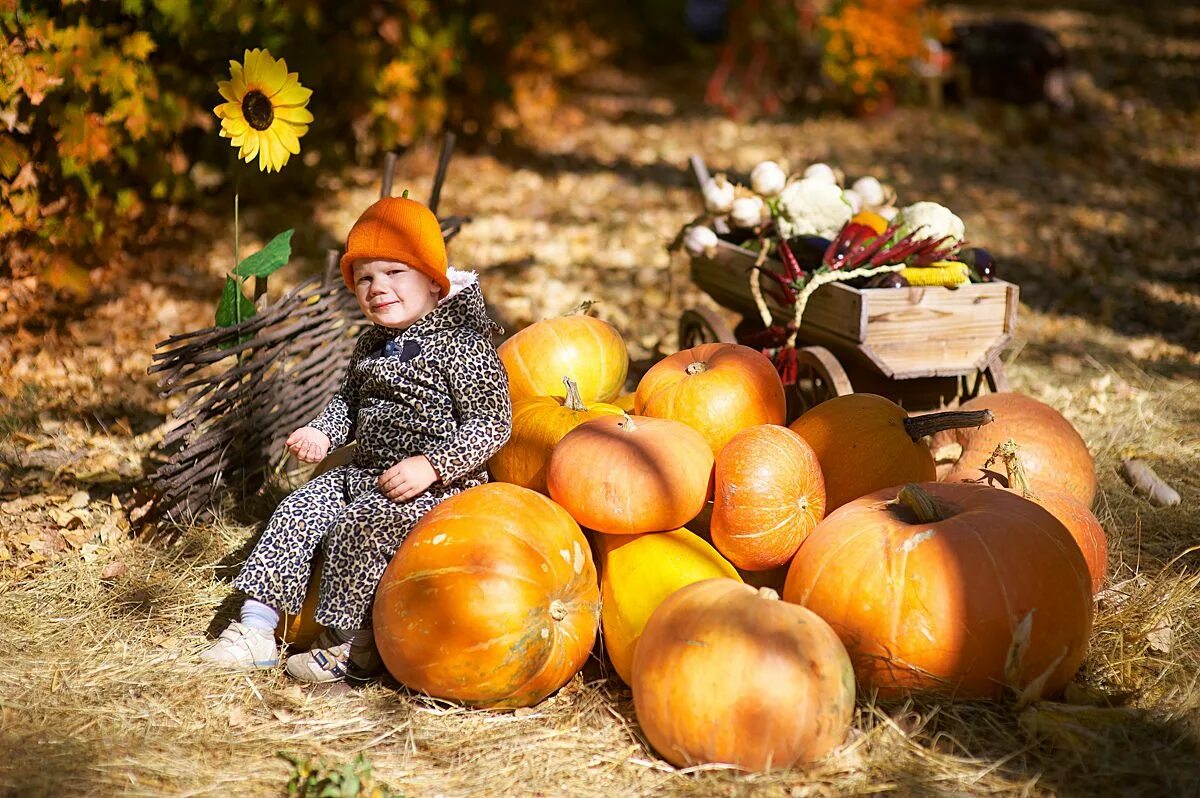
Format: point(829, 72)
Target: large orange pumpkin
point(299, 631)
point(492, 600)
point(769, 494)
point(728, 674)
point(866, 442)
point(1083, 525)
point(538, 424)
point(624, 475)
point(1053, 452)
point(717, 389)
point(589, 351)
point(957, 589)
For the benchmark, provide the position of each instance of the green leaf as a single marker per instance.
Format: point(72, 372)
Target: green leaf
point(230, 301)
point(270, 258)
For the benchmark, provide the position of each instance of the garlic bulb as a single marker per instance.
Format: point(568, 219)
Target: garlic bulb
point(718, 195)
point(768, 179)
point(821, 171)
point(699, 240)
point(854, 199)
point(747, 212)
point(871, 191)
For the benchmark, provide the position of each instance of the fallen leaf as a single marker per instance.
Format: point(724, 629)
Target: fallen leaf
point(237, 717)
point(79, 499)
point(113, 570)
point(1161, 638)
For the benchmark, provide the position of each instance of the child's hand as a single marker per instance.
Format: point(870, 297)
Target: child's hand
point(407, 479)
point(308, 444)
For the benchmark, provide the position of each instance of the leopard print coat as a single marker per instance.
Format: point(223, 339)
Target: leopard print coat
point(437, 388)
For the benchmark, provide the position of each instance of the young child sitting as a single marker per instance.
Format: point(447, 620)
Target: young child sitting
point(426, 397)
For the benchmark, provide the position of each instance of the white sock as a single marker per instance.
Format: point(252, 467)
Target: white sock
point(257, 615)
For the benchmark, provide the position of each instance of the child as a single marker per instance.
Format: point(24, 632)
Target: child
point(426, 398)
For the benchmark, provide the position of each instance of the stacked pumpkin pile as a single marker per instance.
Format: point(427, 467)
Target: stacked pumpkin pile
point(974, 586)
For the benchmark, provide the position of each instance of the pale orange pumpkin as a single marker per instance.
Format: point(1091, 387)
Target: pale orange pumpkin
point(717, 389)
point(768, 495)
point(589, 351)
point(1083, 525)
point(625, 475)
point(865, 442)
point(492, 600)
point(299, 631)
point(1053, 452)
point(956, 589)
point(727, 674)
point(538, 424)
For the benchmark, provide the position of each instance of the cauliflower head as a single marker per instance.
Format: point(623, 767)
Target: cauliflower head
point(929, 220)
point(812, 207)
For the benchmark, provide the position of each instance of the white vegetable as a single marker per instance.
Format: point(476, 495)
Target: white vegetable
point(871, 191)
point(812, 207)
point(821, 171)
point(854, 198)
point(747, 212)
point(699, 240)
point(768, 179)
point(930, 220)
point(718, 195)
point(888, 212)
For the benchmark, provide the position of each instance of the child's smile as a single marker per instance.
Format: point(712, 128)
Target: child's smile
point(391, 294)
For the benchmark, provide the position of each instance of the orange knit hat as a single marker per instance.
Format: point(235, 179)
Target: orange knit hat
point(401, 229)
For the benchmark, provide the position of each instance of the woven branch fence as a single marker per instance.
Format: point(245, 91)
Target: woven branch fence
point(246, 387)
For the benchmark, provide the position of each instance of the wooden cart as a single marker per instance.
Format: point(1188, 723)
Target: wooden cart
point(926, 348)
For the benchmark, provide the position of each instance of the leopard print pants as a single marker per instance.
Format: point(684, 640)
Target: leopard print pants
point(357, 527)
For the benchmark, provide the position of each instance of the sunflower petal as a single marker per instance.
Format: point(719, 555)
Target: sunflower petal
point(286, 133)
point(229, 111)
point(251, 68)
point(264, 152)
point(297, 115)
point(274, 76)
point(250, 146)
point(234, 127)
point(293, 94)
point(225, 87)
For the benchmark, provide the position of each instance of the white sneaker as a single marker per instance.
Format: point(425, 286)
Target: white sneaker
point(331, 661)
point(243, 647)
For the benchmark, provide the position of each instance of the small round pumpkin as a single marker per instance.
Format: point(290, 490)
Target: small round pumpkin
point(589, 351)
point(865, 443)
point(768, 495)
point(728, 674)
point(492, 600)
point(299, 631)
point(717, 389)
point(538, 424)
point(625, 475)
point(637, 572)
point(1053, 452)
point(956, 589)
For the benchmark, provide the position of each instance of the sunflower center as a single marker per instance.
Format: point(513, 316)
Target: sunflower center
point(257, 109)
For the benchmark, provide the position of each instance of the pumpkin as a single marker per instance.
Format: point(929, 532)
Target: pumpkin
point(1052, 451)
point(589, 351)
point(625, 402)
point(299, 631)
point(1079, 520)
point(636, 573)
point(768, 495)
point(728, 674)
point(624, 475)
point(956, 589)
point(865, 443)
point(538, 424)
point(492, 600)
point(717, 389)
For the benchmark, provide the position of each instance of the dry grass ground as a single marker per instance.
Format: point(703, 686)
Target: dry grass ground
point(99, 693)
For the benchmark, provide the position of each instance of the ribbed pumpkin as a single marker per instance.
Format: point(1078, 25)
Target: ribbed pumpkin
point(589, 351)
point(624, 475)
point(538, 424)
point(1083, 525)
point(961, 590)
point(1053, 452)
point(299, 631)
point(492, 600)
point(717, 389)
point(728, 674)
point(625, 402)
point(866, 442)
point(636, 573)
point(768, 495)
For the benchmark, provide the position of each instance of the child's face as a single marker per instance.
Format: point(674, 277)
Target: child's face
point(392, 294)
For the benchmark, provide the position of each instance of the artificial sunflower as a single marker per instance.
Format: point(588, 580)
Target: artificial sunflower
point(265, 115)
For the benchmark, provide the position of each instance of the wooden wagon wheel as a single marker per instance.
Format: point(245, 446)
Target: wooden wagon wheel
point(819, 376)
point(703, 326)
point(971, 385)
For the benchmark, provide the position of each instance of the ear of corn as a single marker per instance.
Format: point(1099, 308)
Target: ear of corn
point(943, 272)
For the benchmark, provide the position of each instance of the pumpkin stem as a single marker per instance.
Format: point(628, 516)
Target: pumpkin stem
point(1017, 478)
point(918, 427)
point(627, 424)
point(558, 610)
point(573, 400)
point(924, 506)
point(696, 367)
point(768, 593)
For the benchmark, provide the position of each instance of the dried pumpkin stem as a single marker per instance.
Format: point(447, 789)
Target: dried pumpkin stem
point(573, 400)
point(768, 594)
point(918, 427)
point(627, 424)
point(696, 367)
point(923, 506)
point(558, 610)
point(1017, 478)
